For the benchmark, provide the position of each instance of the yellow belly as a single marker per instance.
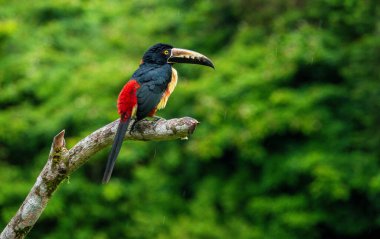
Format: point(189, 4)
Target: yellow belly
point(169, 90)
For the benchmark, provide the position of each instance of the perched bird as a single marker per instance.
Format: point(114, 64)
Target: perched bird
point(149, 89)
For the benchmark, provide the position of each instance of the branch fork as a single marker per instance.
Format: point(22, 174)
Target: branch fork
point(63, 162)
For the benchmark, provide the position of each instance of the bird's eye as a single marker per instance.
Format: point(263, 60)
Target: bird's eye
point(166, 52)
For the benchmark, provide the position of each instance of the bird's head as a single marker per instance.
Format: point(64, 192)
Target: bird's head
point(166, 54)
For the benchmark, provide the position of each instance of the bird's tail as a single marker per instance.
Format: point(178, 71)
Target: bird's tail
point(118, 141)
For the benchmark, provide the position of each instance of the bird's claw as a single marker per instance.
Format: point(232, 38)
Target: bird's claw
point(154, 118)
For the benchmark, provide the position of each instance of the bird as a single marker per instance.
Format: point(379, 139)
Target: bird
point(148, 90)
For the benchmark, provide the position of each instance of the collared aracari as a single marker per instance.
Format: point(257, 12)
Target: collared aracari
point(149, 89)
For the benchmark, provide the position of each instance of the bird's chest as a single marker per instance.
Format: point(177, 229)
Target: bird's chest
point(173, 82)
point(169, 89)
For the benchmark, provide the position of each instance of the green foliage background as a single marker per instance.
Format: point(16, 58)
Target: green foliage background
point(289, 140)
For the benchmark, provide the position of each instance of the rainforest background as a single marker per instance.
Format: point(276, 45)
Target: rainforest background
point(289, 140)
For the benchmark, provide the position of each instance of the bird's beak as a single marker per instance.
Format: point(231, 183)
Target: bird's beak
point(179, 55)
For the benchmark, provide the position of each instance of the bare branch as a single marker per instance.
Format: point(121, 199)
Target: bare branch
point(62, 162)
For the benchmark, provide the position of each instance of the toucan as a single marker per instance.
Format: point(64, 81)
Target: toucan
point(149, 89)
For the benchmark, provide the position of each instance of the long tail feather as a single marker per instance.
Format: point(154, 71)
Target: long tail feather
point(118, 141)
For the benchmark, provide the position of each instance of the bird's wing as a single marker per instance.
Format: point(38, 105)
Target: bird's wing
point(149, 95)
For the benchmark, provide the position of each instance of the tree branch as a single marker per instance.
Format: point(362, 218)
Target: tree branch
point(62, 162)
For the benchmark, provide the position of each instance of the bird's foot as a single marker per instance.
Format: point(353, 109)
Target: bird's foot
point(154, 118)
point(134, 121)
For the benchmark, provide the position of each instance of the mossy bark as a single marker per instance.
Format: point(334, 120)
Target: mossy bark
point(63, 162)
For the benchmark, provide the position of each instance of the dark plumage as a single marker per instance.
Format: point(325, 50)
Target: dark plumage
point(153, 82)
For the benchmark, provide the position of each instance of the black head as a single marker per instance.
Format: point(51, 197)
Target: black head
point(157, 54)
point(163, 53)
